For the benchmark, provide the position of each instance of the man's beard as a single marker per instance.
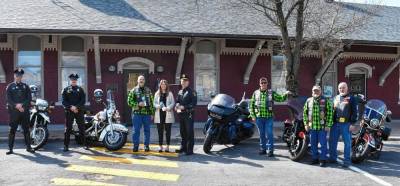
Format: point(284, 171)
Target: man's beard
point(342, 94)
point(315, 95)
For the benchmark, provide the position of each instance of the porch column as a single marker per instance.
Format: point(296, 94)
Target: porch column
point(253, 60)
point(97, 58)
point(2, 73)
point(325, 66)
point(180, 60)
point(388, 71)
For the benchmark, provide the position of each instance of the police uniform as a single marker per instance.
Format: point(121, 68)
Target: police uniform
point(73, 96)
point(345, 113)
point(18, 93)
point(188, 99)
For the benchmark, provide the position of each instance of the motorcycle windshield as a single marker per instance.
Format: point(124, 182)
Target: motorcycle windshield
point(223, 100)
point(375, 109)
point(296, 105)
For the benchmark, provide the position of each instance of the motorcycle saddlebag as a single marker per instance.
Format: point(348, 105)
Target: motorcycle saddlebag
point(386, 133)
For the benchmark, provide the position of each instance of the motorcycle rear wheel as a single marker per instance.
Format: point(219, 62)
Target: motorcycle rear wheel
point(39, 139)
point(360, 151)
point(298, 148)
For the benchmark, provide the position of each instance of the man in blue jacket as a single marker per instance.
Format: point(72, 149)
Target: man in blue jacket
point(345, 115)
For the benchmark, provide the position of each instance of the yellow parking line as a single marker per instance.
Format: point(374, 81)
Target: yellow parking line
point(141, 152)
point(154, 146)
point(130, 161)
point(66, 181)
point(124, 173)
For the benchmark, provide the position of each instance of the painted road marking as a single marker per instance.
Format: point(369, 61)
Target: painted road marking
point(141, 152)
point(67, 181)
point(124, 173)
point(368, 175)
point(130, 161)
point(154, 146)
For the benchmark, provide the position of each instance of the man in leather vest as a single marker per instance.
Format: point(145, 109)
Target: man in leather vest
point(318, 118)
point(261, 105)
point(345, 115)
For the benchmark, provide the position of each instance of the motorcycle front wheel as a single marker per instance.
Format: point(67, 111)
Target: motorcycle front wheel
point(208, 143)
point(298, 147)
point(360, 151)
point(39, 137)
point(114, 141)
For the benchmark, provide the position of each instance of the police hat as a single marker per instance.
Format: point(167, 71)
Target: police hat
point(184, 77)
point(73, 77)
point(19, 72)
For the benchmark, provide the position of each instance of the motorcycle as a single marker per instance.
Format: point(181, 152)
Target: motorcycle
point(228, 123)
point(294, 133)
point(105, 125)
point(368, 141)
point(39, 119)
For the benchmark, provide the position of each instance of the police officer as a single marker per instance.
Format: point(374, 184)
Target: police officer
point(141, 99)
point(18, 102)
point(73, 100)
point(318, 118)
point(345, 115)
point(185, 104)
point(261, 105)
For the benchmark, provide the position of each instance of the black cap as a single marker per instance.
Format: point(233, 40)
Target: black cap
point(19, 72)
point(184, 77)
point(73, 76)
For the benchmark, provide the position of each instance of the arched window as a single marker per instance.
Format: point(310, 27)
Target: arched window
point(29, 57)
point(73, 60)
point(205, 70)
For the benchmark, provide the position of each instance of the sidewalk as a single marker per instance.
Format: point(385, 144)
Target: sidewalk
point(57, 132)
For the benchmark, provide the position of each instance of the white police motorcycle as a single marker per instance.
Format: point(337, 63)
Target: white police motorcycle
point(104, 126)
point(39, 119)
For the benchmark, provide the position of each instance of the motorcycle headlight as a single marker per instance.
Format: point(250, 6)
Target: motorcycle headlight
point(374, 123)
point(42, 104)
point(42, 108)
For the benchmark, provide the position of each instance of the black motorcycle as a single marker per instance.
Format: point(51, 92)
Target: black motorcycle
point(39, 119)
point(228, 123)
point(368, 141)
point(294, 132)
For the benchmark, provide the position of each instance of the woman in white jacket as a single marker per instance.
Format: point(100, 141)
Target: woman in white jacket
point(164, 116)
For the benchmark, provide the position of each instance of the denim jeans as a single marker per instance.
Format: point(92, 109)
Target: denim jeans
point(138, 121)
point(318, 136)
point(337, 130)
point(265, 127)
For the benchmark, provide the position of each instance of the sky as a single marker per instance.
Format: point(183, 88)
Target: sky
point(382, 2)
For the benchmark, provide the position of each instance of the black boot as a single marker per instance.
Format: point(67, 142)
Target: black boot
point(65, 148)
point(11, 138)
point(29, 149)
point(85, 143)
point(146, 148)
point(27, 138)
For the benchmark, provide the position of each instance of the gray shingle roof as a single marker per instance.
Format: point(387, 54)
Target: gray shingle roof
point(163, 17)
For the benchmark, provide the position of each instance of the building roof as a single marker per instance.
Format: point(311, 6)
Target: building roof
point(214, 18)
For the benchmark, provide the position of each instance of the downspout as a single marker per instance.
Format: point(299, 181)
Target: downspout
point(388, 71)
point(97, 58)
point(324, 68)
point(253, 60)
point(180, 59)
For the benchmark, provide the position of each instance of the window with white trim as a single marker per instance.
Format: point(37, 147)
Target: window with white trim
point(278, 70)
point(29, 58)
point(205, 70)
point(73, 60)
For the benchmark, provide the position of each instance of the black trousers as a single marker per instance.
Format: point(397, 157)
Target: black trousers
point(186, 124)
point(69, 120)
point(163, 126)
point(16, 118)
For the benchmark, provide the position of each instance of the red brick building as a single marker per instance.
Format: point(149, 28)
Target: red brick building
point(110, 44)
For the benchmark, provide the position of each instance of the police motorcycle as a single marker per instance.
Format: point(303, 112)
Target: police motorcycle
point(228, 123)
point(39, 119)
point(368, 141)
point(104, 126)
point(294, 133)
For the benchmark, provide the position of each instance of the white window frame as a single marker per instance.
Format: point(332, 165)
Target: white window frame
point(16, 50)
point(217, 43)
point(60, 53)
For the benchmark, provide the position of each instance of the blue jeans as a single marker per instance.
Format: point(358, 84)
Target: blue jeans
point(265, 126)
point(138, 121)
point(337, 130)
point(318, 136)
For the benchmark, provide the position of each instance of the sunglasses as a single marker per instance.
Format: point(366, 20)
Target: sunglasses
point(263, 82)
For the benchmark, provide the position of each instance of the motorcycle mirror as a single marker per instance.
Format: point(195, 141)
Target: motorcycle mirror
point(212, 95)
point(388, 116)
